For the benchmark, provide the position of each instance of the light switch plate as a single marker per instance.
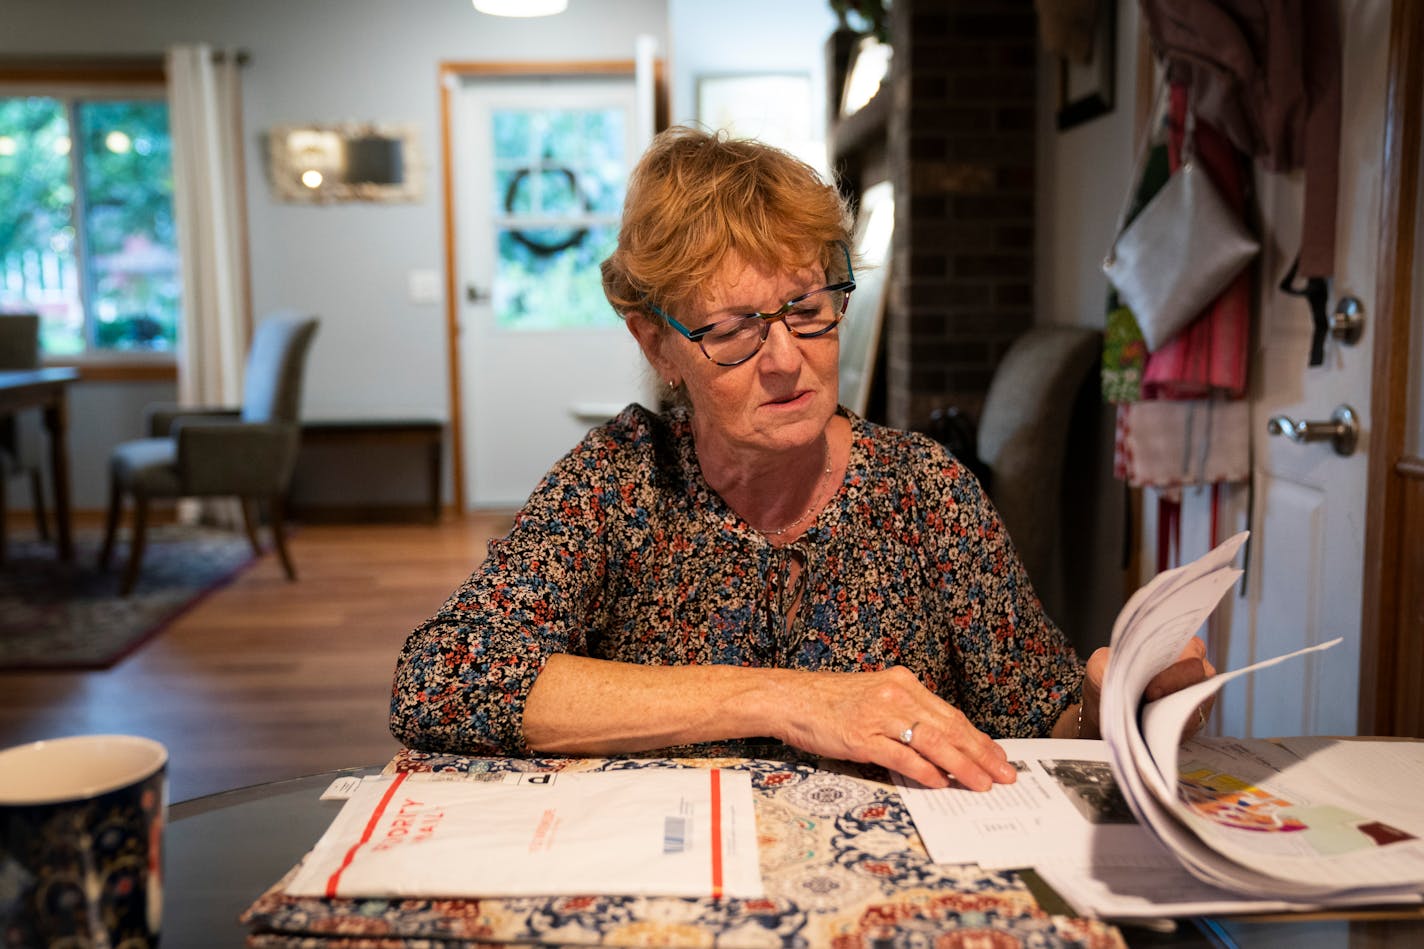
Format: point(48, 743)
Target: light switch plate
point(424, 286)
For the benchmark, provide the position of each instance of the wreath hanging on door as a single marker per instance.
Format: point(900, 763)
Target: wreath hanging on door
point(536, 246)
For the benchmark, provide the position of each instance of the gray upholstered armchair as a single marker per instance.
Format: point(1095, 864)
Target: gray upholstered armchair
point(1036, 442)
point(248, 453)
point(1024, 432)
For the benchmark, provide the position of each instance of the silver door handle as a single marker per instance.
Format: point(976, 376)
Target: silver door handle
point(1342, 430)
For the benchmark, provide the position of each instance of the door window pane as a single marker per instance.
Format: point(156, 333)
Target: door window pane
point(559, 178)
point(534, 290)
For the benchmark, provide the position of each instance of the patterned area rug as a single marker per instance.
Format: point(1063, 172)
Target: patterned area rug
point(55, 615)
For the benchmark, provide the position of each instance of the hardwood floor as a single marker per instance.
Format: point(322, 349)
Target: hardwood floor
point(267, 679)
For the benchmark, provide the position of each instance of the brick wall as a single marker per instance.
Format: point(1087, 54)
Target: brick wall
point(961, 155)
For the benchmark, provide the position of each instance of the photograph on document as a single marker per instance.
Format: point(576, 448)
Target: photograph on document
point(1089, 787)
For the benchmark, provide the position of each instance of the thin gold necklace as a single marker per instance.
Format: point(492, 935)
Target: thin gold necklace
point(815, 495)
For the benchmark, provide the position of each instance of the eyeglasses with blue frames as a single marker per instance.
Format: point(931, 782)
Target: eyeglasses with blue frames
point(734, 340)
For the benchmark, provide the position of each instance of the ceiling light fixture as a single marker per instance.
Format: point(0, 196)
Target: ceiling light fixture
point(521, 7)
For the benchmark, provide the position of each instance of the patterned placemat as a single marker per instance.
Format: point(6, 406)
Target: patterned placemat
point(840, 859)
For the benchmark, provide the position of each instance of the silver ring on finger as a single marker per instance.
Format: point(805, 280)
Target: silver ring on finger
point(908, 735)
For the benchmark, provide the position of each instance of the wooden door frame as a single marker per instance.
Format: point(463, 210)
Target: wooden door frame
point(449, 75)
point(1392, 620)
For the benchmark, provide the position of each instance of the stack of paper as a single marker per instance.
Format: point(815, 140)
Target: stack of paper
point(1250, 817)
point(1139, 825)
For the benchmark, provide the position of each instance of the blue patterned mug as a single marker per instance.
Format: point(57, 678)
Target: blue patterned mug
point(81, 842)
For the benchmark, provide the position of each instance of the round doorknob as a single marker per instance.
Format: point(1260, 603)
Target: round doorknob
point(1347, 323)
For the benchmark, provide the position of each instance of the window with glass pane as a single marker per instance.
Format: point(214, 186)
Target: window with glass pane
point(559, 181)
point(86, 222)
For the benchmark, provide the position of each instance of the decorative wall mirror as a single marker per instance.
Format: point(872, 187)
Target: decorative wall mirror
point(349, 162)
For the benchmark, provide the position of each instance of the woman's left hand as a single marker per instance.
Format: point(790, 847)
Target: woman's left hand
point(1190, 668)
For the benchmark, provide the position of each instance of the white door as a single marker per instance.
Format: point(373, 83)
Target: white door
point(1308, 522)
point(540, 166)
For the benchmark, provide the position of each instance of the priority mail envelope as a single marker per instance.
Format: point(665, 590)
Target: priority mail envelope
point(650, 832)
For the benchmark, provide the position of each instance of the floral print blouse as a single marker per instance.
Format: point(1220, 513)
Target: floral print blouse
point(623, 552)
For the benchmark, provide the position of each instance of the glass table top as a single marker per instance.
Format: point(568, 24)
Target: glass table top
point(225, 849)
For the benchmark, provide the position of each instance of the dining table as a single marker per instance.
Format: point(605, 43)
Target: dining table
point(47, 390)
point(841, 863)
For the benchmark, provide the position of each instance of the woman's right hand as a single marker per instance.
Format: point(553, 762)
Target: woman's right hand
point(860, 716)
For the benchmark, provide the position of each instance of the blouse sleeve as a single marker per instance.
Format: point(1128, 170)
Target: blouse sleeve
point(463, 676)
point(1017, 672)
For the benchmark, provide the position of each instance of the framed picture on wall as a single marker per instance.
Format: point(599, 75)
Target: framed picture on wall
point(774, 108)
point(1085, 86)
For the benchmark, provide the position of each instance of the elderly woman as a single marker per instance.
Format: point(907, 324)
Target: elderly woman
point(755, 561)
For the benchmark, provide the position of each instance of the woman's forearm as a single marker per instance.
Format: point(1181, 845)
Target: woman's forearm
point(594, 706)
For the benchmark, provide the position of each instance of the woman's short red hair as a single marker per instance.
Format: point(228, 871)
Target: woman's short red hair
point(695, 197)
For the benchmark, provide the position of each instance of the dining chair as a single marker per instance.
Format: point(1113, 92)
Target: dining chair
point(247, 452)
point(19, 349)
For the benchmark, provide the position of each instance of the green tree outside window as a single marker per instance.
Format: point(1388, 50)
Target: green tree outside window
point(86, 222)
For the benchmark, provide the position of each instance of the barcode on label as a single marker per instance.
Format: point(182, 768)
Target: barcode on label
point(674, 834)
point(495, 777)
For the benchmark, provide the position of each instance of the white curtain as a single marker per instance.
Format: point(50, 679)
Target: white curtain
point(210, 204)
point(205, 118)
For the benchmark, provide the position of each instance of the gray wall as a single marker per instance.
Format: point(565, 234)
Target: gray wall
point(1081, 176)
point(378, 353)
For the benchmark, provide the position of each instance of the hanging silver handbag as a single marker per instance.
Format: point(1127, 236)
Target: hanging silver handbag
point(1179, 252)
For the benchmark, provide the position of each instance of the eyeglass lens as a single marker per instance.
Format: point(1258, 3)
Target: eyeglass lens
point(735, 340)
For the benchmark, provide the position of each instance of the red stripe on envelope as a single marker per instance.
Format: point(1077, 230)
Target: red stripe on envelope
point(376, 816)
point(716, 833)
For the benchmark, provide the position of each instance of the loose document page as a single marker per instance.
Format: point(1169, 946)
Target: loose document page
point(676, 832)
point(1064, 806)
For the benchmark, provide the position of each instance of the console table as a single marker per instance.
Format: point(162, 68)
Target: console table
point(347, 467)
